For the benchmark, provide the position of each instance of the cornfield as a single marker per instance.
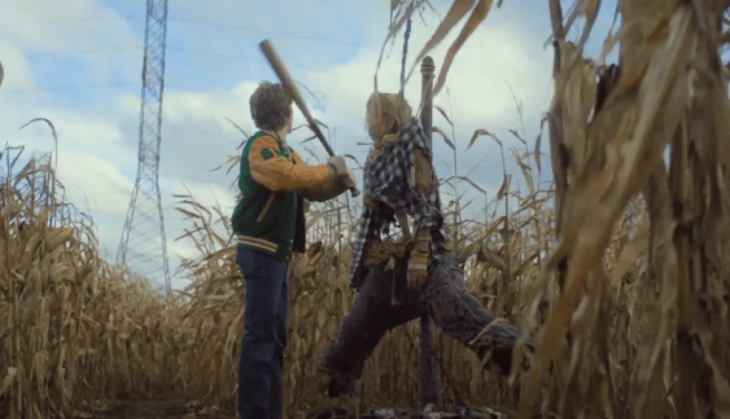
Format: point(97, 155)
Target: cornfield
point(616, 272)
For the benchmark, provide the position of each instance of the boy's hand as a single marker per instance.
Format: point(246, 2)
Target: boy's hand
point(337, 164)
point(347, 179)
point(342, 174)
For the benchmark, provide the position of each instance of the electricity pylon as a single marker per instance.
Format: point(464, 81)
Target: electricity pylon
point(143, 244)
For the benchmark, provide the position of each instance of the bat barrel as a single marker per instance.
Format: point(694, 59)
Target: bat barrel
point(267, 48)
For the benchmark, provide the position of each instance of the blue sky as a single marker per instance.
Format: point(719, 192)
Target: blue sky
point(79, 62)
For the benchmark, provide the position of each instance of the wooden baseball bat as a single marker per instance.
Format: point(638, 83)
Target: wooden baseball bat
point(280, 69)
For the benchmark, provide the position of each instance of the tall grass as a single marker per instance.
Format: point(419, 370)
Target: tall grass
point(73, 330)
point(622, 283)
point(319, 298)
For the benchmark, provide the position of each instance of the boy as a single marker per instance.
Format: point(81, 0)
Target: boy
point(269, 221)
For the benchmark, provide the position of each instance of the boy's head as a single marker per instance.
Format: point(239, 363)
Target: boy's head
point(271, 106)
point(386, 114)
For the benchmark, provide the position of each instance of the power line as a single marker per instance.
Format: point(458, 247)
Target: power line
point(69, 88)
point(76, 21)
point(181, 49)
point(167, 126)
point(97, 51)
point(124, 84)
point(245, 58)
point(94, 21)
point(264, 31)
point(87, 51)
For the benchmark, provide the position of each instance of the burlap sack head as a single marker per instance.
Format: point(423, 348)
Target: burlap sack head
point(387, 114)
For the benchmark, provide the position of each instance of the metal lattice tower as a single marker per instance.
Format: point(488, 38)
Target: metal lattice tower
point(142, 247)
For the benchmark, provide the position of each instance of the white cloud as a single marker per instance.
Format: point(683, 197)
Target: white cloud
point(98, 141)
point(479, 79)
point(187, 106)
point(15, 67)
point(72, 28)
point(80, 134)
point(205, 194)
point(99, 179)
point(498, 59)
point(208, 195)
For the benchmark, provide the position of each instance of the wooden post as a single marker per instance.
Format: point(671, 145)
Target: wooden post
point(428, 387)
point(427, 71)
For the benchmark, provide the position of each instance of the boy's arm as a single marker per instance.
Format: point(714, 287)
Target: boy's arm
point(307, 201)
point(277, 173)
point(295, 157)
point(322, 192)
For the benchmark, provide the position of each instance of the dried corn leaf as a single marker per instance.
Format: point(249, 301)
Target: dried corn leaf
point(444, 136)
point(457, 11)
point(479, 132)
point(504, 189)
point(477, 16)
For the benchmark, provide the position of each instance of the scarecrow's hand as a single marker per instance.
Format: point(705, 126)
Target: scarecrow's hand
point(418, 261)
point(417, 269)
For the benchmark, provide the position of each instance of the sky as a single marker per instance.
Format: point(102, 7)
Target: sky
point(78, 63)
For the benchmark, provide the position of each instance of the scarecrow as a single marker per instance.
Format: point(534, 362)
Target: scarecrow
point(400, 279)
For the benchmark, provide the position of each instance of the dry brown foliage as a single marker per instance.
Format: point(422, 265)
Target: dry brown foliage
point(73, 330)
point(654, 345)
point(629, 311)
point(622, 284)
point(319, 299)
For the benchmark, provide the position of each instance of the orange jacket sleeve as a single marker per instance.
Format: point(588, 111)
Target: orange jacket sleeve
point(277, 173)
point(297, 159)
point(322, 192)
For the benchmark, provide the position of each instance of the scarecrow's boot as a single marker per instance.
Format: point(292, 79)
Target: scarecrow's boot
point(340, 381)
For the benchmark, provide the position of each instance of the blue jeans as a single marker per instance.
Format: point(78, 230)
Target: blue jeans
point(264, 337)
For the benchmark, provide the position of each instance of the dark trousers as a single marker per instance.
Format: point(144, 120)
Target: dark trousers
point(444, 298)
point(264, 337)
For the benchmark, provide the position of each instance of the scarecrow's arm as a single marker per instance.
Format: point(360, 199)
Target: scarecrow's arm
point(421, 177)
point(422, 173)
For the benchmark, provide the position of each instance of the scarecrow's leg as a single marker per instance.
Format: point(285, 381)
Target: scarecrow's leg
point(460, 315)
point(370, 317)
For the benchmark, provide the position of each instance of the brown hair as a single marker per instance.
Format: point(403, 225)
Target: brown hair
point(270, 106)
point(387, 114)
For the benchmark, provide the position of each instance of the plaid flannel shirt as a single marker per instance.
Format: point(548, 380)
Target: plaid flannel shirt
point(386, 180)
